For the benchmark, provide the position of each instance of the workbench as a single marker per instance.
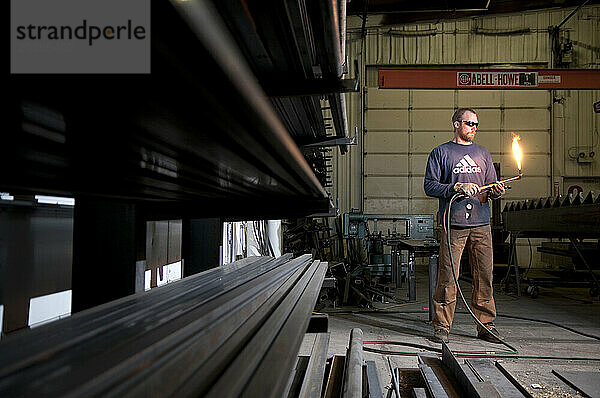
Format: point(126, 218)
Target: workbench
point(416, 248)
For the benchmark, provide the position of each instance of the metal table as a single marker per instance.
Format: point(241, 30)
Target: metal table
point(416, 248)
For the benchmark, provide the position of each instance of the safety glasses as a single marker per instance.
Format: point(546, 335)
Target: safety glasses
point(469, 123)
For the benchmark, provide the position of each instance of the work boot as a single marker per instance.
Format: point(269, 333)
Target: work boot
point(441, 336)
point(493, 337)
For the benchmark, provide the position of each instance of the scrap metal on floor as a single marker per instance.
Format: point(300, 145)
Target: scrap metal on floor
point(559, 332)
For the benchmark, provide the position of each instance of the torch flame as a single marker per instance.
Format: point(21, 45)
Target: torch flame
point(517, 150)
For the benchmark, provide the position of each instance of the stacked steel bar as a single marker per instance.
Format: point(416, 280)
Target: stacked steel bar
point(226, 332)
point(151, 144)
point(560, 216)
point(296, 50)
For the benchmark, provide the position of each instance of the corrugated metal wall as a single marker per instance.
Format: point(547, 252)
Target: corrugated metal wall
point(398, 128)
point(511, 38)
point(575, 121)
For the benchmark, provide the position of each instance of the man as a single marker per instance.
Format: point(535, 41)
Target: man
point(461, 166)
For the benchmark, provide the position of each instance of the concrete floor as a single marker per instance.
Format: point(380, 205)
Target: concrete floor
point(570, 307)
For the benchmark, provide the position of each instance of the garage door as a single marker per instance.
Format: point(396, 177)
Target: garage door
point(403, 126)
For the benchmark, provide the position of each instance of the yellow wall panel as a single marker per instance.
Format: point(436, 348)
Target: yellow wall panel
point(529, 119)
point(416, 187)
point(489, 119)
point(388, 187)
point(528, 188)
point(432, 98)
point(387, 119)
point(424, 205)
point(492, 141)
point(386, 141)
point(526, 98)
point(386, 206)
point(387, 98)
point(425, 142)
point(579, 128)
point(432, 120)
point(386, 164)
point(455, 43)
point(479, 98)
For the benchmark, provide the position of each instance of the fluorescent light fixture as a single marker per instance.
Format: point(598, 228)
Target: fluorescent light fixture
point(6, 196)
point(55, 200)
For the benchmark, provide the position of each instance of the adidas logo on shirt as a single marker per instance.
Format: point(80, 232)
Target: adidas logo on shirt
point(466, 165)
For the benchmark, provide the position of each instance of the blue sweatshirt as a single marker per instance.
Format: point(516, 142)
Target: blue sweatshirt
point(450, 163)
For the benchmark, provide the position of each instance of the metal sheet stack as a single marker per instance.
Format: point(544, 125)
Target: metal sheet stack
point(231, 331)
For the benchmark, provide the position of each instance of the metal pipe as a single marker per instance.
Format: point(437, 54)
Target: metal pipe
point(429, 11)
point(344, 124)
point(332, 35)
point(412, 33)
point(354, 366)
point(343, 31)
point(570, 15)
point(204, 20)
point(489, 186)
point(433, 269)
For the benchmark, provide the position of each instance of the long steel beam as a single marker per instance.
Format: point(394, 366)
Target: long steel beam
point(273, 373)
point(469, 382)
point(554, 217)
point(130, 346)
point(207, 372)
point(477, 79)
point(128, 332)
point(315, 370)
point(47, 341)
point(170, 138)
point(373, 380)
point(235, 378)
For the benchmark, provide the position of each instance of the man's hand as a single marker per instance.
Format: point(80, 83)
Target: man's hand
point(497, 190)
point(466, 188)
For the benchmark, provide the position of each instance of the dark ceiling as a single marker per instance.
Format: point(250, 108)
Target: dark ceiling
point(400, 12)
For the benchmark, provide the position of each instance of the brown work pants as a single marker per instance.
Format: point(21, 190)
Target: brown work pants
point(478, 241)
